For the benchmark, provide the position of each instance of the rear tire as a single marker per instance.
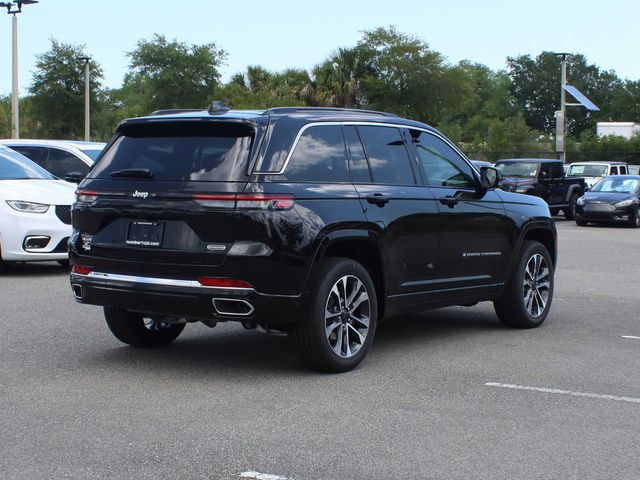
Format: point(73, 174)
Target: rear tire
point(554, 211)
point(570, 211)
point(340, 317)
point(527, 299)
point(139, 331)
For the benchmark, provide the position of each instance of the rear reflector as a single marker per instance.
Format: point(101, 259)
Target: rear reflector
point(81, 270)
point(223, 283)
point(245, 201)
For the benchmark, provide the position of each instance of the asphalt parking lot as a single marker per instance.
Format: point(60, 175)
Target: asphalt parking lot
point(448, 394)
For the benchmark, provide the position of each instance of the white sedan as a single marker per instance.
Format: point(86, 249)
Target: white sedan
point(35, 211)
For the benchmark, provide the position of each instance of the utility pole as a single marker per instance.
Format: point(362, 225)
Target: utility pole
point(561, 115)
point(13, 8)
point(87, 108)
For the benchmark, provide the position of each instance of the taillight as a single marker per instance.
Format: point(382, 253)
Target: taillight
point(224, 283)
point(81, 270)
point(245, 201)
point(86, 196)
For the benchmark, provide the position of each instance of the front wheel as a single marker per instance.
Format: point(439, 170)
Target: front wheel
point(634, 219)
point(140, 331)
point(527, 299)
point(340, 319)
point(570, 211)
point(580, 221)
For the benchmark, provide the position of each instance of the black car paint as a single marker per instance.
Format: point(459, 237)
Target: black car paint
point(556, 192)
point(603, 205)
point(426, 247)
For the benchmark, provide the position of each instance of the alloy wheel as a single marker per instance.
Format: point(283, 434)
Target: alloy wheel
point(347, 314)
point(536, 285)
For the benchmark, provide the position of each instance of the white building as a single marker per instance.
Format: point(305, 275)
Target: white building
point(622, 129)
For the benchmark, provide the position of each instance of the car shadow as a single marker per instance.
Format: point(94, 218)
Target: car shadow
point(15, 269)
point(230, 352)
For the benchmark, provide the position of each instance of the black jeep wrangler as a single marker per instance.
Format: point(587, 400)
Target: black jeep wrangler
point(313, 221)
point(543, 178)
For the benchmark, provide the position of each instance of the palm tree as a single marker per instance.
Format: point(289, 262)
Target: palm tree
point(337, 79)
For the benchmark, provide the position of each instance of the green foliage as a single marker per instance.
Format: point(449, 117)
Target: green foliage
point(5, 116)
point(170, 74)
point(401, 74)
point(609, 148)
point(57, 92)
point(510, 137)
point(536, 89)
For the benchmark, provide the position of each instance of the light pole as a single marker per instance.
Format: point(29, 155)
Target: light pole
point(561, 115)
point(13, 8)
point(87, 111)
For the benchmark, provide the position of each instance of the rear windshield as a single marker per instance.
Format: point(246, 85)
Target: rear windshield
point(193, 152)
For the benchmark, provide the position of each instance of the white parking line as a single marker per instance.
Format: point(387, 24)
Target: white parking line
point(263, 476)
point(564, 392)
point(631, 336)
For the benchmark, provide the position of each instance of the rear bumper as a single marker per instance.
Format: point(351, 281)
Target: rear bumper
point(185, 298)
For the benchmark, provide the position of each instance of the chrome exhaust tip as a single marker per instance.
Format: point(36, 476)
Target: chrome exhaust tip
point(234, 307)
point(77, 291)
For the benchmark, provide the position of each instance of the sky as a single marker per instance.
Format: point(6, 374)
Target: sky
point(285, 33)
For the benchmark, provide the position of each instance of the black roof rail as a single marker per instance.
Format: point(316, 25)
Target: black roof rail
point(286, 110)
point(172, 111)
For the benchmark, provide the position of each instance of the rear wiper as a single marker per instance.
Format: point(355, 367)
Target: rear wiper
point(132, 173)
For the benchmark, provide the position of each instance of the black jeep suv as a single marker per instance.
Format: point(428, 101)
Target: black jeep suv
point(313, 221)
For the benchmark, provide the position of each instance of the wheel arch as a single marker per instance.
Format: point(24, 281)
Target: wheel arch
point(361, 246)
point(573, 189)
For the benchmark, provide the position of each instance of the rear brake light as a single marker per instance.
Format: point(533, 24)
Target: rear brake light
point(223, 282)
point(245, 201)
point(81, 270)
point(86, 196)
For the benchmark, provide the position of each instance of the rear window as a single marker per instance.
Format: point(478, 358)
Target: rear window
point(194, 152)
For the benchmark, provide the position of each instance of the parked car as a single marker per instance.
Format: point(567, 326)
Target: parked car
point(633, 169)
point(313, 221)
point(615, 198)
point(594, 171)
point(69, 160)
point(35, 211)
point(543, 178)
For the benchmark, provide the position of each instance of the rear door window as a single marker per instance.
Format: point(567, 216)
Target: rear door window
point(196, 152)
point(623, 170)
point(319, 157)
point(61, 162)
point(387, 154)
point(35, 154)
point(358, 164)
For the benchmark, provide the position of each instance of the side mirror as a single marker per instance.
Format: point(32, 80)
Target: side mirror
point(73, 177)
point(489, 177)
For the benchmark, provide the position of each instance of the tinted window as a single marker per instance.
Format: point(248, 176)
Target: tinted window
point(186, 152)
point(623, 170)
point(556, 170)
point(35, 154)
point(357, 159)
point(545, 171)
point(14, 166)
point(387, 154)
point(319, 156)
point(60, 163)
point(442, 164)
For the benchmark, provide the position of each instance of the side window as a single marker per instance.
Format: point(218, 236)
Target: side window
point(623, 170)
point(35, 154)
point(357, 159)
point(441, 163)
point(387, 154)
point(319, 157)
point(60, 163)
point(556, 171)
point(545, 171)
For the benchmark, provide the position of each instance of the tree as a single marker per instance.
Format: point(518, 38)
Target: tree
point(510, 137)
point(338, 78)
point(57, 91)
point(536, 88)
point(401, 74)
point(170, 74)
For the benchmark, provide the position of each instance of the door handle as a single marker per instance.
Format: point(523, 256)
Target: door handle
point(452, 201)
point(378, 199)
